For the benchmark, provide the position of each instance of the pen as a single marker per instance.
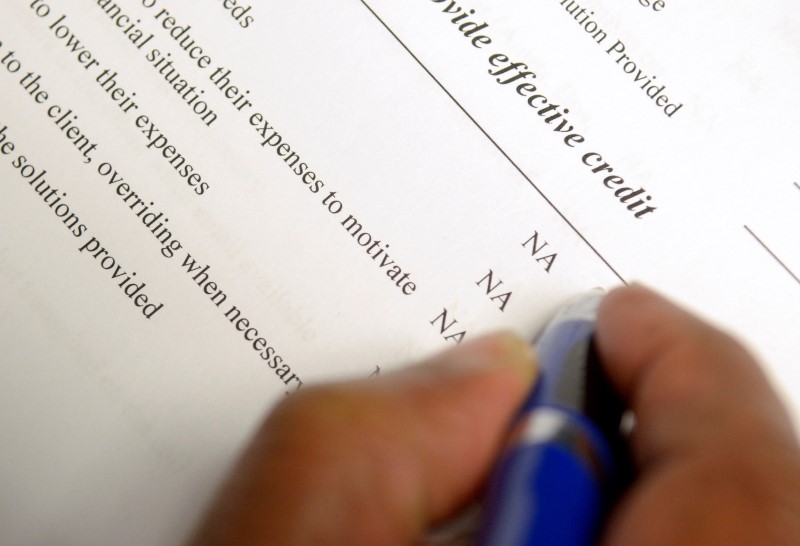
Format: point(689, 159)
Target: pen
point(565, 460)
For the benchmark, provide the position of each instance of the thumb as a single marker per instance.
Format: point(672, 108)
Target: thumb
point(380, 461)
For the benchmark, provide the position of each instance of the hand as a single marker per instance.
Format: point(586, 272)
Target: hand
point(717, 456)
point(381, 461)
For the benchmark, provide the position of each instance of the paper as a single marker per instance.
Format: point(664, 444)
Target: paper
point(207, 205)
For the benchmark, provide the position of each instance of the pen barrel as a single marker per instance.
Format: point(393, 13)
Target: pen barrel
point(551, 485)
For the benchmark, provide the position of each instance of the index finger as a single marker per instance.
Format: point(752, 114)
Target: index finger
point(690, 386)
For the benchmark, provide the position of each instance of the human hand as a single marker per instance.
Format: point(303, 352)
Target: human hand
point(382, 461)
point(376, 461)
point(717, 458)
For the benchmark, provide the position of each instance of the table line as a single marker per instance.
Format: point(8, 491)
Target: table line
point(771, 253)
point(496, 145)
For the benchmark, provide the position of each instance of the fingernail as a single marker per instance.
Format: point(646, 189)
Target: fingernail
point(503, 349)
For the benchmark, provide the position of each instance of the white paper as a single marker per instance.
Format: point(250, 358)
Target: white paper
point(117, 428)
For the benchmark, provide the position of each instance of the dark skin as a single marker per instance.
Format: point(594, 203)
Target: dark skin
point(382, 461)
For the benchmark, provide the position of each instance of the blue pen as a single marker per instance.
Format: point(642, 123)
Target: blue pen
point(564, 461)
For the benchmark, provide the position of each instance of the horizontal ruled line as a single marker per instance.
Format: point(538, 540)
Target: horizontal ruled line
point(771, 253)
